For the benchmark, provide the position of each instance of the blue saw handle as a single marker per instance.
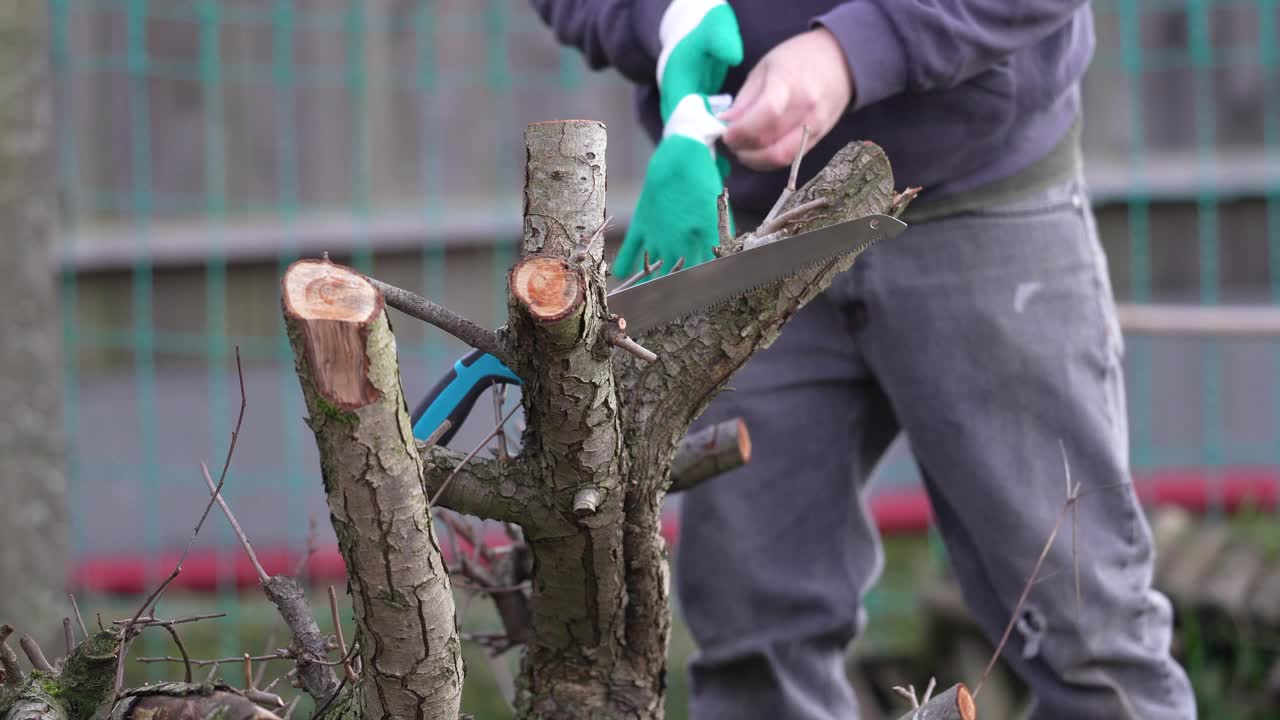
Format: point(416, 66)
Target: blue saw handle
point(453, 397)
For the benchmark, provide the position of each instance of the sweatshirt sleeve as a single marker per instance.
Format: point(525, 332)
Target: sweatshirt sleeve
point(896, 46)
point(622, 34)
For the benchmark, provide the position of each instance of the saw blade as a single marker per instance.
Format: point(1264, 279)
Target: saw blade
point(671, 297)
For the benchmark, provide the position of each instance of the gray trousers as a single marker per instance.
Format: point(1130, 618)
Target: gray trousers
point(989, 339)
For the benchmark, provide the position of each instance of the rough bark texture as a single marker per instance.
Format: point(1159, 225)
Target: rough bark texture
point(603, 427)
point(33, 514)
point(372, 474)
point(308, 643)
point(710, 452)
point(82, 684)
point(602, 431)
point(188, 701)
point(577, 663)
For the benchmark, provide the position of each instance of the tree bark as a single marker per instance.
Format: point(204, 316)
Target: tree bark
point(576, 663)
point(33, 516)
point(345, 356)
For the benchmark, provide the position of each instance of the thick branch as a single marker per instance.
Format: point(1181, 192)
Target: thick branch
point(709, 452)
point(346, 364)
point(188, 700)
point(485, 488)
point(416, 306)
point(577, 663)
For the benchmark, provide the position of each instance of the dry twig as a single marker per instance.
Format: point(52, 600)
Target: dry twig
point(128, 631)
point(472, 454)
point(1073, 495)
point(80, 620)
point(583, 250)
point(337, 630)
point(790, 189)
point(415, 305)
point(647, 268)
point(235, 526)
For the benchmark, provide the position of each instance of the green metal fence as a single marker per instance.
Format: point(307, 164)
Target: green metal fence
point(204, 145)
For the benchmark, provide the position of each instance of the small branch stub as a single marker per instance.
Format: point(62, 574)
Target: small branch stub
point(334, 304)
point(587, 501)
point(954, 703)
point(551, 289)
point(709, 452)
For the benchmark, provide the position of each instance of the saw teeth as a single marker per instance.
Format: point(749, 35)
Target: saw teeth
point(743, 293)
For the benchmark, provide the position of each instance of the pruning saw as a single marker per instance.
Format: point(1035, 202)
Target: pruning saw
point(660, 301)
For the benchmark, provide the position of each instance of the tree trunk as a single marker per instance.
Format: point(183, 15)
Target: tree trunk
point(603, 426)
point(602, 431)
point(33, 515)
point(404, 607)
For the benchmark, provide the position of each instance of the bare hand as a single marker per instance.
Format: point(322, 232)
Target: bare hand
point(803, 81)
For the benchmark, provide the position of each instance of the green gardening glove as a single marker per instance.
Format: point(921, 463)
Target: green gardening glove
point(700, 41)
point(676, 216)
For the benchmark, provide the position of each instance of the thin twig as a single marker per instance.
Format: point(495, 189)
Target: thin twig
point(337, 629)
point(584, 247)
point(35, 654)
point(76, 609)
point(235, 526)
point(213, 671)
point(928, 690)
point(499, 399)
point(436, 498)
point(1075, 556)
point(645, 271)
point(177, 640)
point(127, 633)
point(907, 694)
point(1072, 498)
point(68, 634)
point(415, 305)
point(792, 215)
point(790, 189)
point(152, 620)
point(280, 655)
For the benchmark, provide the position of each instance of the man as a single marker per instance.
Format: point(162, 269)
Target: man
point(986, 332)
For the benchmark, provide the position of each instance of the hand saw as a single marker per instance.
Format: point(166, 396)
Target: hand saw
point(663, 300)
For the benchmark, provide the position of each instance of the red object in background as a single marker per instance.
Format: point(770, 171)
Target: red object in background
point(895, 513)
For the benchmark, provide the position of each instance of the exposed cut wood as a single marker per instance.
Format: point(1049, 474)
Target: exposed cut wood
point(377, 503)
point(954, 703)
point(333, 306)
point(548, 287)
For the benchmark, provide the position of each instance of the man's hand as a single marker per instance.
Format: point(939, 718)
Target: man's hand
point(803, 81)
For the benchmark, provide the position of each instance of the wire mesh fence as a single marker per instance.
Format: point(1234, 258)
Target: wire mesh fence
point(204, 145)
